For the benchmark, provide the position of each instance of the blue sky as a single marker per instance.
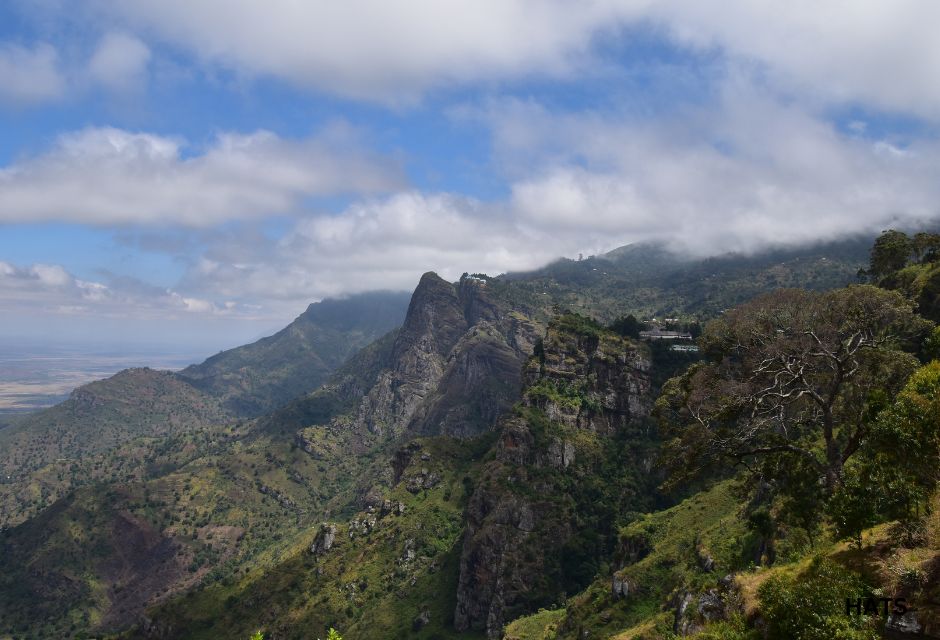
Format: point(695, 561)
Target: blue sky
point(197, 172)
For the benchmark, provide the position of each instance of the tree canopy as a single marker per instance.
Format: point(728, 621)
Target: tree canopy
point(793, 374)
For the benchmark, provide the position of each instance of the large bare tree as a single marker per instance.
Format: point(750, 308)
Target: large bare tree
point(791, 373)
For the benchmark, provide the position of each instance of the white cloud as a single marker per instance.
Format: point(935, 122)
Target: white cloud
point(884, 53)
point(50, 275)
point(711, 180)
point(390, 51)
point(120, 62)
point(50, 288)
point(29, 75)
point(745, 173)
point(378, 244)
point(111, 176)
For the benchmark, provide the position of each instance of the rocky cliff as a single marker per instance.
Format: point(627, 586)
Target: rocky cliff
point(566, 463)
point(454, 365)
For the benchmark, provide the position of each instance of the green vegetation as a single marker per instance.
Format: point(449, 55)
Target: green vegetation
point(650, 282)
point(263, 376)
point(806, 421)
point(910, 265)
point(387, 571)
point(792, 381)
point(811, 462)
point(811, 604)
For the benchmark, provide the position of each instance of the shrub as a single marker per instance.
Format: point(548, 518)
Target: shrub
point(811, 605)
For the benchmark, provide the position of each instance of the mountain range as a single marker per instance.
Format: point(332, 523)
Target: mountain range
point(473, 459)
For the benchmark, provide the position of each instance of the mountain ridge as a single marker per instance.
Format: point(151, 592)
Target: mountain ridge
point(333, 456)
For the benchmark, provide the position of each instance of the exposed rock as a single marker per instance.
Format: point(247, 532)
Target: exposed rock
point(517, 525)
point(408, 553)
point(621, 587)
point(683, 625)
point(372, 499)
point(402, 459)
point(705, 560)
point(390, 507)
point(361, 527)
point(633, 548)
point(906, 624)
point(324, 539)
point(560, 455)
point(454, 365)
point(282, 499)
point(421, 620)
point(423, 480)
point(711, 606)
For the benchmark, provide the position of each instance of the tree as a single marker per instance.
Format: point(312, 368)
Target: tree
point(793, 377)
point(925, 247)
point(627, 326)
point(899, 467)
point(890, 253)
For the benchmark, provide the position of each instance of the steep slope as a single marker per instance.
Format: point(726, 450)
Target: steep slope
point(263, 483)
point(257, 378)
point(386, 571)
point(229, 508)
point(106, 429)
point(102, 432)
point(454, 366)
point(567, 464)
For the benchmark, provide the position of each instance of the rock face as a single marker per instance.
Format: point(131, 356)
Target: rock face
point(324, 540)
point(582, 388)
point(454, 365)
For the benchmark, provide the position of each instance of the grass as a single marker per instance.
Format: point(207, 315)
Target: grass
point(541, 625)
point(365, 584)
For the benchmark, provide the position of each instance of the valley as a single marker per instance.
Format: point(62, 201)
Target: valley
point(486, 458)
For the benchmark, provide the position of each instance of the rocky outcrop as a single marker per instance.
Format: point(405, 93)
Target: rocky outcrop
point(621, 587)
point(324, 540)
point(589, 381)
point(454, 365)
point(580, 389)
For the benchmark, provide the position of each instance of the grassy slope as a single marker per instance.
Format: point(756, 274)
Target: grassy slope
point(707, 523)
point(366, 584)
point(218, 476)
point(110, 430)
point(253, 497)
point(711, 521)
point(245, 486)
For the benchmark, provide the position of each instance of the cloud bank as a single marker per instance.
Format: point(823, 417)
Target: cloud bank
point(708, 180)
point(879, 52)
point(108, 176)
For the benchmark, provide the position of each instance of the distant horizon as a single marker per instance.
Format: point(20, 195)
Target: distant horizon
point(208, 341)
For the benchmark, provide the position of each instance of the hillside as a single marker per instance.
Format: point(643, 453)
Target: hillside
point(259, 377)
point(400, 566)
point(650, 281)
point(260, 484)
point(107, 429)
point(104, 431)
point(490, 466)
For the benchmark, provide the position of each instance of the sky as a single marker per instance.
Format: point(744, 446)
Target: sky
point(195, 172)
